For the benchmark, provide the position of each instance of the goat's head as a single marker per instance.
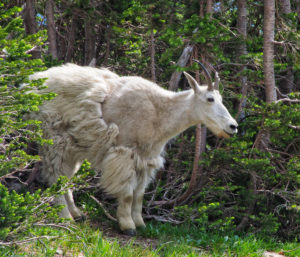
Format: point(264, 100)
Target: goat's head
point(209, 108)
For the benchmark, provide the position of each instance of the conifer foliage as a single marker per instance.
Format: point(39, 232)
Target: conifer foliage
point(247, 183)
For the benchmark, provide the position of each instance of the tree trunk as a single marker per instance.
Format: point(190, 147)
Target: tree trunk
point(152, 55)
point(29, 17)
point(209, 7)
point(263, 138)
point(201, 8)
point(286, 85)
point(200, 143)
point(51, 29)
point(30, 24)
point(285, 6)
point(107, 50)
point(269, 27)
point(242, 50)
point(195, 174)
point(242, 24)
point(298, 9)
point(89, 43)
point(182, 61)
point(71, 39)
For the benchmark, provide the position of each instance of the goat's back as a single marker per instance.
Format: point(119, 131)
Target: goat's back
point(71, 80)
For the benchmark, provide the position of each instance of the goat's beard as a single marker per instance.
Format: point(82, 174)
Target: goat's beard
point(223, 134)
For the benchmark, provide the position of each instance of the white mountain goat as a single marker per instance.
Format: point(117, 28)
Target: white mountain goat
point(120, 125)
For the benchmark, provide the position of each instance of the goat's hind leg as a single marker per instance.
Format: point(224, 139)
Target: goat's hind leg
point(58, 160)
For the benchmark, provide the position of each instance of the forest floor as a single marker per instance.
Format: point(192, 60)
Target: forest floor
point(111, 233)
point(104, 239)
point(99, 236)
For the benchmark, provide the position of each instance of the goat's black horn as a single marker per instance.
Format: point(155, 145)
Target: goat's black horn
point(207, 76)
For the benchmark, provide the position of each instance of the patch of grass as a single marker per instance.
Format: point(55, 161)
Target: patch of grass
point(84, 241)
point(172, 240)
point(215, 243)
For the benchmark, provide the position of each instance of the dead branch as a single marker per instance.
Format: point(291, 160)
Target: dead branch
point(105, 211)
point(27, 240)
point(288, 100)
point(294, 127)
point(162, 219)
point(56, 226)
point(32, 49)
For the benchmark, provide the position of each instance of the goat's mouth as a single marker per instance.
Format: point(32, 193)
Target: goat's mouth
point(225, 134)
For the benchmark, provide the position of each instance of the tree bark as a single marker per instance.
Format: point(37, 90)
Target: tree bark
point(89, 43)
point(286, 85)
point(298, 9)
point(71, 39)
point(285, 6)
point(107, 50)
point(195, 174)
point(201, 8)
point(29, 17)
point(30, 24)
point(51, 29)
point(152, 56)
point(209, 7)
point(242, 50)
point(263, 138)
point(269, 27)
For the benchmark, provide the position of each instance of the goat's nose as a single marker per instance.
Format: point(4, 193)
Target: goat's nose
point(233, 127)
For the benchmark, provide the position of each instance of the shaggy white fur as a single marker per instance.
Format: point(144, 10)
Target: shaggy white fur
point(121, 125)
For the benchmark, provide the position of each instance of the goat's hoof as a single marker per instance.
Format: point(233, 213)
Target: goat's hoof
point(141, 227)
point(129, 232)
point(80, 218)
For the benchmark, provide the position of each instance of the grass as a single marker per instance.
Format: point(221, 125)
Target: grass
point(169, 240)
point(218, 244)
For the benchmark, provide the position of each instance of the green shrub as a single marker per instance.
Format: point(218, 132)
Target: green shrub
point(259, 183)
point(18, 211)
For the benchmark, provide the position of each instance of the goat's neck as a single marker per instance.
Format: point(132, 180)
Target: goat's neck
point(177, 114)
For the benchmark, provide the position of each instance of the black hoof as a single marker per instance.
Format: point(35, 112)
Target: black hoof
point(80, 218)
point(141, 228)
point(129, 232)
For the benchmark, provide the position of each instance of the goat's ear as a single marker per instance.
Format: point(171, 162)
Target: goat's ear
point(193, 83)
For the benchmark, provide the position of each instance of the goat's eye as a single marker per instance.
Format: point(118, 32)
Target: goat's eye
point(210, 99)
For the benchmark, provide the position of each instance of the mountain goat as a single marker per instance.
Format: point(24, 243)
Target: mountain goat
point(120, 125)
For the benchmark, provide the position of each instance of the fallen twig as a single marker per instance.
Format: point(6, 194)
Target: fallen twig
point(27, 240)
point(162, 219)
point(55, 225)
point(105, 211)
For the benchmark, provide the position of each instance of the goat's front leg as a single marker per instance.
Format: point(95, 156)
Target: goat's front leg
point(137, 206)
point(70, 210)
point(124, 214)
point(73, 209)
point(64, 213)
